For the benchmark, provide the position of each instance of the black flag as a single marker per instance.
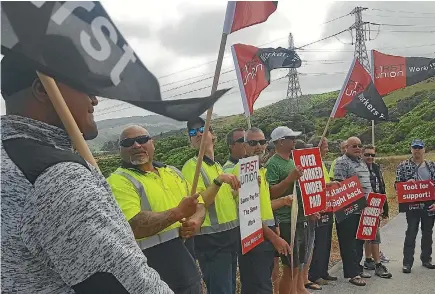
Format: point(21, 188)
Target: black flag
point(78, 44)
point(369, 104)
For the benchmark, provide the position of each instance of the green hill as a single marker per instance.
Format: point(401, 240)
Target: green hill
point(412, 110)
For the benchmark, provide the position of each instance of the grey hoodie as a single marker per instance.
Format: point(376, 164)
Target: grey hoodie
point(61, 229)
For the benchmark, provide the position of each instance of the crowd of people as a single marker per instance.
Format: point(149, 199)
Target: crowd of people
point(65, 228)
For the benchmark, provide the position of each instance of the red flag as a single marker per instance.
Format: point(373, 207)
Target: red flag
point(391, 72)
point(253, 66)
point(356, 82)
point(242, 14)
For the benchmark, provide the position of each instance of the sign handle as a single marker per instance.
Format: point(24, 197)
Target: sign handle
point(67, 118)
point(209, 111)
point(324, 131)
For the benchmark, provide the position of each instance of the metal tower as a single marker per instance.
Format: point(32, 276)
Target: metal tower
point(293, 89)
point(360, 37)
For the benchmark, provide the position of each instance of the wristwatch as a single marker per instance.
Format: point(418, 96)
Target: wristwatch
point(217, 183)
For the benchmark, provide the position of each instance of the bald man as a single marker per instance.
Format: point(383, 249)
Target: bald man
point(154, 199)
point(351, 249)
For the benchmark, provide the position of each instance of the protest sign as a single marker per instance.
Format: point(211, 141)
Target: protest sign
point(251, 228)
point(312, 182)
point(369, 220)
point(327, 215)
point(415, 195)
point(347, 199)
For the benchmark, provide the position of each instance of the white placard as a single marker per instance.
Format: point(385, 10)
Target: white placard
point(251, 228)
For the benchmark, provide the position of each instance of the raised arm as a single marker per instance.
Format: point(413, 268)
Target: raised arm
point(147, 223)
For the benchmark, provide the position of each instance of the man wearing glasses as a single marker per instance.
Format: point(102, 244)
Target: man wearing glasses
point(217, 243)
point(235, 143)
point(153, 198)
point(418, 169)
point(351, 249)
point(372, 252)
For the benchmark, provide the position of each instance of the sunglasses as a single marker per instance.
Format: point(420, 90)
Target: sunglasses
point(240, 140)
point(356, 146)
point(417, 147)
point(128, 142)
point(255, 142)
point(369, 155)
point(194, 132)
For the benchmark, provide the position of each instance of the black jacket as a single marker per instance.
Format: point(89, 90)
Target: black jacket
point(376, 170)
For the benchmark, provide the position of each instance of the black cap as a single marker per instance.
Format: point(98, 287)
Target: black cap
point(15, 76)
point(195, 121)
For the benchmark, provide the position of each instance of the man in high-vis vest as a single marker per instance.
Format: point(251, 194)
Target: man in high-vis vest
point(153, 199)
point(256, 266)
point(235, 143)
point(216, 245)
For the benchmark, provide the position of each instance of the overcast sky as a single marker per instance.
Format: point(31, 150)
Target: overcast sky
point(178, 42)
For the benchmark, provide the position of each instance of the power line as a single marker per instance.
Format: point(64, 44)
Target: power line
point(401, 11)
point(399, 25)
point(227, 55)
point(426, 17)
point(203, 88)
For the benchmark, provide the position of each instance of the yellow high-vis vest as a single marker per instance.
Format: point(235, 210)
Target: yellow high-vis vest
point(137, 191)
point(221, 215)
point(265, 202)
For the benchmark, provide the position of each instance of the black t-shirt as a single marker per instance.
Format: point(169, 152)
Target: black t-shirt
point(174, 263)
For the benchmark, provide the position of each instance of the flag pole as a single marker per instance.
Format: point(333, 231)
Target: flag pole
point(249, 122)
point(67, 119)
point(209, 111)
point(372, 73)
point(337, 102)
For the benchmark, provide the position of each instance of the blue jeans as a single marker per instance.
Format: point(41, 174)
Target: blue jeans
point(218, 271)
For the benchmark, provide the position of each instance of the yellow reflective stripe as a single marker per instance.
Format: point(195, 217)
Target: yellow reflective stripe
point(219, 227)
point(144, 203)
point(158, 239)
point(212, 213)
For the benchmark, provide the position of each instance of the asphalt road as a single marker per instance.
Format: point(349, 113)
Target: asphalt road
point(420, 281)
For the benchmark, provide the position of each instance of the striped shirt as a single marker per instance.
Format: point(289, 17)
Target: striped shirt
point(346, 167)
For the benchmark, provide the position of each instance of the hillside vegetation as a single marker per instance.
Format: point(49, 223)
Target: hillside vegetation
point(412, 111)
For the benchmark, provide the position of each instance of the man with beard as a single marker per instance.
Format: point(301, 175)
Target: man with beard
point(235, 143)
point(216, 243)
point(256, 266)
point(62, 231)
point(153, 199)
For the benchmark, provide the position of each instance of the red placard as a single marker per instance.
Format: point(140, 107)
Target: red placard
point(347, 199)
point(418, 191)
point(369, 220)
point(312, 183)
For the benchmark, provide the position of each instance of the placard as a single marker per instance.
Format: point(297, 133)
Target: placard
point(369, 220)
point(347, 199)
point(327, 215)
point(417, 195)
point(312, 182)
point(251, 227)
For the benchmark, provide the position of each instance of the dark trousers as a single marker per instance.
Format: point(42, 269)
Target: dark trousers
point(321, 253)
point(256, 269)
point(351, 249)
point(427, 222)
point(218, 271)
